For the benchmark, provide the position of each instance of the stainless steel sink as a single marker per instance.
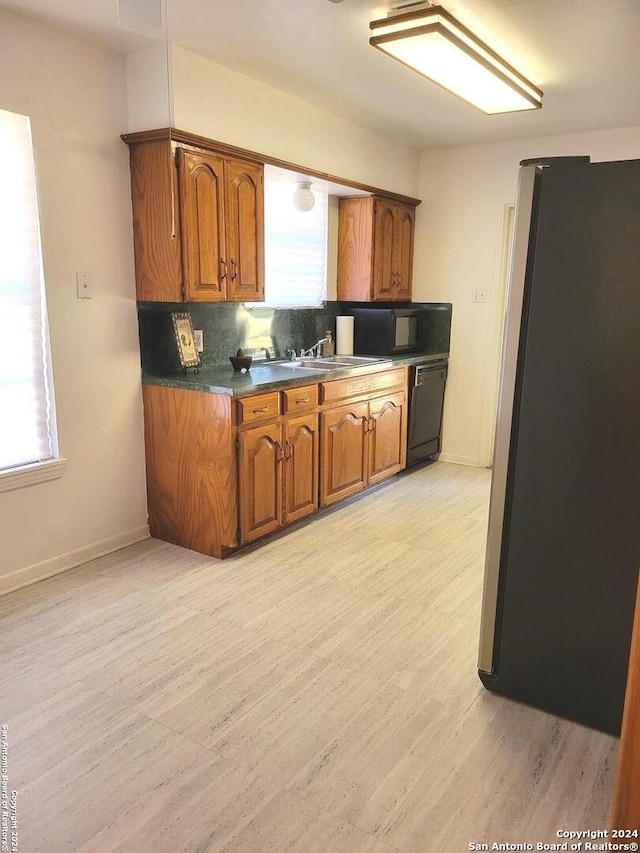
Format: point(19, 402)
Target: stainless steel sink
point(353, 360)
point(332, 362)
point(316, 363)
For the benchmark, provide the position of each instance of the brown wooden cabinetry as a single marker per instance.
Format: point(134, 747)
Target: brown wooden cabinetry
point(245, 231)
point(375, 249)
point(260, 481)
point(202, 225)
point(278, 463)
point(362, 444)
point(192, 486)
point(344, 456)
point(198, 221)
point(387, 437)
point(300, 441)
point(223, 472)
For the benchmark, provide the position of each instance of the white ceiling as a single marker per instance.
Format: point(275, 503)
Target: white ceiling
point(582, 53)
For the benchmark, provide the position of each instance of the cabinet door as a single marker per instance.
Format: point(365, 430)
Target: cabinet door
point(260, 481)
point(301, 467)
point(387, 437)
point(355, 247)
point(245, 231)
point(403, 239)
point(202, 222)
point(384, 272)
point(343, 470)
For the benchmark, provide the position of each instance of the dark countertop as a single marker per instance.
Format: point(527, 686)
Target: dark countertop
point(263, 376)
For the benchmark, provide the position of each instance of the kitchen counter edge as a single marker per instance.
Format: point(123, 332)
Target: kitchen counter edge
point(220, 379)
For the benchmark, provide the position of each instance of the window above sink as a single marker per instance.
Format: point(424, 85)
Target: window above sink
point(295, 244)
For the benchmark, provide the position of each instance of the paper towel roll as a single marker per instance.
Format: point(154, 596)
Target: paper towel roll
point(344, 335)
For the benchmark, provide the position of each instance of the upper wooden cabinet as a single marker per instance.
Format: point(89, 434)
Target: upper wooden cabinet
point(198, 222)
point(245, 231)
point(375, 249)
point(202, 225)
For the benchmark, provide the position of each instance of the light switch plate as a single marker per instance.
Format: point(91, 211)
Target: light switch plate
point(479, 295)
point(198, 339)
point(83, 285)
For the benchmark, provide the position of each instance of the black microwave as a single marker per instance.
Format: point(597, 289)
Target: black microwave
point(395, 331)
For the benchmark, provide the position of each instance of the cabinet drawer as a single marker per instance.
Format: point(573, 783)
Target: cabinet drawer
point(299, 399)
point(261, 407)
point(356, 386)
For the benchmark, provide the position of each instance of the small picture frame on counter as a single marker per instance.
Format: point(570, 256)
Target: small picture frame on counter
point(185, 341)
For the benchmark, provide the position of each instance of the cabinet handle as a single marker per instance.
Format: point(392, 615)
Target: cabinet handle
point(289, 450)
point(234, 270)
point(302, 400)
point(260, 411)
point(223, 269)
point(279, 452)
point(394, 280)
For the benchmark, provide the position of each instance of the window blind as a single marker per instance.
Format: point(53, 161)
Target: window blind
point(27, 422)
point(295, 248)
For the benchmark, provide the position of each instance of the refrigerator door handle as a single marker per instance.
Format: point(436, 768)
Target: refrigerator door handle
point(510, 349)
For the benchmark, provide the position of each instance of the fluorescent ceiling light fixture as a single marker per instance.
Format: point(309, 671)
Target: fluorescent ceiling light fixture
point(436, 45)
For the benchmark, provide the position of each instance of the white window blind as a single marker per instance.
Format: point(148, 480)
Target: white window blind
point(295, 248)
point(27, 421)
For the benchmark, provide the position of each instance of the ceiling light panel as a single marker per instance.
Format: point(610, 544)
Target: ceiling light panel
point(436, 45)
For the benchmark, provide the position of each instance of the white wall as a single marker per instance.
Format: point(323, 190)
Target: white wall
point(213, 101)
point(149, 88)
point(75, 93)
point(458, 246)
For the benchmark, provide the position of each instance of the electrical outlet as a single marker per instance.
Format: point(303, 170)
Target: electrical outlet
point(198, 339)
point(83, 285)
point(479, 295)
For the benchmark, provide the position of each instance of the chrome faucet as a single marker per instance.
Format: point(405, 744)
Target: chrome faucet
point(316, 347)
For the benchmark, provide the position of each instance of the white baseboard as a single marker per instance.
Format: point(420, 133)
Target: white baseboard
point(71, 559)
point(460, 460)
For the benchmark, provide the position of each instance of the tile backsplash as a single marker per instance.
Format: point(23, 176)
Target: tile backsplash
point(228, 326)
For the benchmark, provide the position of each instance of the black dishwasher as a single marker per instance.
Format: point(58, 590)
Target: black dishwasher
point(426, 398)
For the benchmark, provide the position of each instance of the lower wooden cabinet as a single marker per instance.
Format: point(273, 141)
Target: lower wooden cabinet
point(300, 467)
point(278, 475)
point(344, 456)
point(260, 481)
point(362, 444)
point(192, 474)
point(223, 472)
point(387, 437)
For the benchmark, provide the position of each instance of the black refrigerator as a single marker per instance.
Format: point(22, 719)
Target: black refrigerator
point(563, 545)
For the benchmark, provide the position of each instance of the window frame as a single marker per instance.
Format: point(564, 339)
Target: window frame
point(29, 279)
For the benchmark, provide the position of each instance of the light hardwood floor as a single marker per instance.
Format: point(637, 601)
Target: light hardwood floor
point(317, 693)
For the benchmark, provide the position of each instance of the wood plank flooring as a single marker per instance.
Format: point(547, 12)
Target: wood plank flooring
point(317, 694)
